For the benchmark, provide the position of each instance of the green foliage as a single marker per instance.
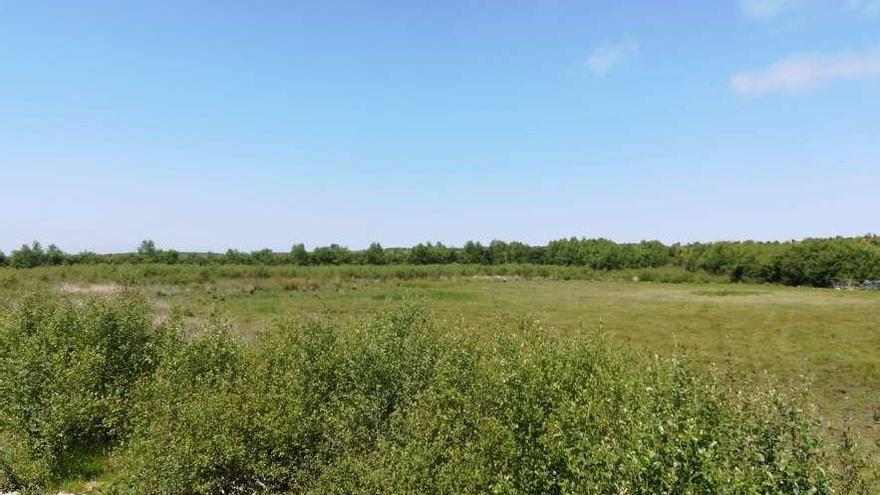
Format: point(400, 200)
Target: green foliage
point(203, 375)
point(28, 256)
point(263, 257)
point(147, 274)
point(851, 477)
point(397, 404)
point(67, 372)
point(474, 253)
point(168, 256)
point(84, 258)
point(375, 255)
point(147, 252)
point(816, 262)
point(54, 256)
point(431, 254)
point(147, 248)
point(402, 405)
point(299, 255)
point(502, 253)
point(333, 254)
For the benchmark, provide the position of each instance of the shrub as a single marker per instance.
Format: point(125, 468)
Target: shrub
point(404, 405)
point(27, 256)
point(374, 254)
point(397, 404)
point(67, 371)
point(187, 423)
point(288, 408)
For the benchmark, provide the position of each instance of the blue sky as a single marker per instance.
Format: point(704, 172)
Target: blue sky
point(209, 125)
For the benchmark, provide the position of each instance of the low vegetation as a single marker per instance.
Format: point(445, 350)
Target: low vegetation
point(816, 262)
point(136, 275)
point(400, 403)
point(68, 373)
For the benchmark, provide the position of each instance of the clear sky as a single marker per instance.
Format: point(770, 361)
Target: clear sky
point(209, 125)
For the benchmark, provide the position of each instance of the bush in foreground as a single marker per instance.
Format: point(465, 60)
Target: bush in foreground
point(397, 404)
point(404, 405)
point(67, 374)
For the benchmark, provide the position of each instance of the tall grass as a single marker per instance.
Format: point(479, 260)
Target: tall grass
point(148, 274)
point(400, 403)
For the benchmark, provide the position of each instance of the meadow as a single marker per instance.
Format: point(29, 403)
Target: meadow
point(731, 347)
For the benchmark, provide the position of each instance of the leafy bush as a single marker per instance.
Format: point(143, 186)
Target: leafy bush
point(396, 404)
point(288, 408)
point(67, 372)
point(28, 256)
point(404, 405)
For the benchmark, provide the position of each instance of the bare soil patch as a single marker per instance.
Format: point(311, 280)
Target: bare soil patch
point(98, 289)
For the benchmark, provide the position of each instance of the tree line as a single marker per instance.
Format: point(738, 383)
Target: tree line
point(816, 262)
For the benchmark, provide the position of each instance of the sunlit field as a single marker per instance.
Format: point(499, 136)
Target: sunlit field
point(821, 342)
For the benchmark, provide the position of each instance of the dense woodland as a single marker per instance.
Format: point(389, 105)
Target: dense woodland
point(816, 262)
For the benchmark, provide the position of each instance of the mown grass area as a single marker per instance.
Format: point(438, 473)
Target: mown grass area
point(828, 341)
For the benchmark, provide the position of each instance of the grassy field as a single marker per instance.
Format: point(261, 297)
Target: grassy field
point(825, 339)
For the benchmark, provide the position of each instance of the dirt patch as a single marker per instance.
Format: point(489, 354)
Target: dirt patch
point(98, 289)
point(161, 311)
point(497, 278)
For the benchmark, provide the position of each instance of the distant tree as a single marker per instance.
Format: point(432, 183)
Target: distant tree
point(263, 257)
point(562, 252)
point(430, 253)
point(498, 252)
point(474, 253)
point(652, 253)
point(444, 254)
point(27, 256)
point(537, 255)
point(517, 252)
point(334, 254)
point(817, 262)
point(84, 258)
point(236, 257)
point(397, 256)
point(420, 254)
point(147, 248)
point(54, 256)
point(375, 255)
point(299, 255)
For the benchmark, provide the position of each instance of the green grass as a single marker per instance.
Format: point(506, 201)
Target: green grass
point(147, 274)
point(829, 340)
